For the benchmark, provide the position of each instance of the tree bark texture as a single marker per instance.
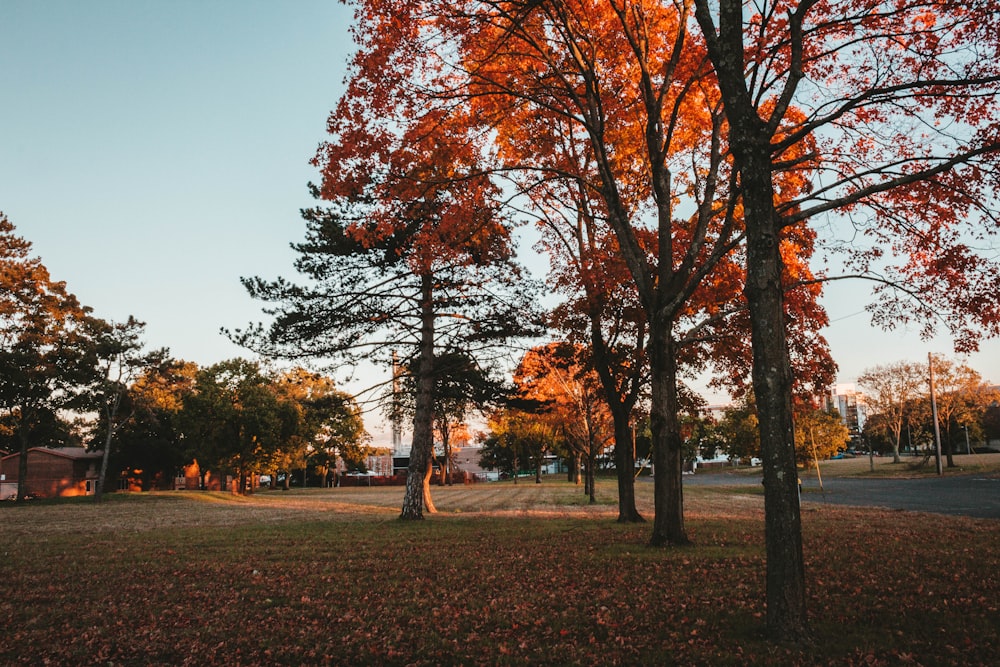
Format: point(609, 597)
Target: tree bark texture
point(750, 141)
point(102, 475)
point(668, 493)
point(425, 487)
point(423, 435)
point(112, 416)
point(772, 382)
point(625, 463)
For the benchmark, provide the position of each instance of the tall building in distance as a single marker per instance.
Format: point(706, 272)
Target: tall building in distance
point(850, 403)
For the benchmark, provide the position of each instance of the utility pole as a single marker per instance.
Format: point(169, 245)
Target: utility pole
point(819, 476)
point(934, 416)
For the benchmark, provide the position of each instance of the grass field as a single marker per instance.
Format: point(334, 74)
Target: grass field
point(504, 574)
point(910, 466)
point(883, 467)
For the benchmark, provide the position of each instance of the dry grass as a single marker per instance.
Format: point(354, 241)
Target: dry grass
point(130, 512)
point(504, 574)
point(910, 466)
point(883, 467)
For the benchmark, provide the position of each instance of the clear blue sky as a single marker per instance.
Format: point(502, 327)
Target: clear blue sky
point(154, 152)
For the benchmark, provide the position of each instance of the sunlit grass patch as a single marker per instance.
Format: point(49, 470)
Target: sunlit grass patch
point(908, 466)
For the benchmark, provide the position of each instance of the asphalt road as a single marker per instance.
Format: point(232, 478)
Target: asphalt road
point(967, 495)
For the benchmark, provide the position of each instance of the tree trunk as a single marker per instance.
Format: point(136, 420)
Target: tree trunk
point(750, 141)
point(668, 493)
point(591, 461)
point(112, 415)
point(949, 448)
point(102, 475)
point(625, 464)
point(23, 436)
point(447, 459)
point(426, 487)
point(624, 443)
point(772, 382)
point(423, 434)
point(620, 400)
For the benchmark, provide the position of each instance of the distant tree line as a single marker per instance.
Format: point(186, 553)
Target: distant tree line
point(558, 410)
point(900, 415)
point(69, 378)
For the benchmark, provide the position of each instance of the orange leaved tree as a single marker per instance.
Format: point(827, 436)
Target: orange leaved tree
point(558, 377)
point(603, 108)
point(899, 101)
point(607, 113)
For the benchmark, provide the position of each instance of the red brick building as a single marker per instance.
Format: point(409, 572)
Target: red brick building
point(52, 472)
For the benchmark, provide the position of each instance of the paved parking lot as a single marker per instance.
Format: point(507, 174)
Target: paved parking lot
point(976, 495)
point(968, 495)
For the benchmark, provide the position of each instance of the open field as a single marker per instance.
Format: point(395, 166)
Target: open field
point(504, 574)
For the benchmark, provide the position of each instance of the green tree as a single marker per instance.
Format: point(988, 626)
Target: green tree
point(151, 447)
point(121, 360)
point(405, 284)
point(330, 425)
point(237, 419)
point(740, 431)
point(877, 434)
point(818, 434)
point(517, 440)
point(888, 388)
point(47, 358)
point(704, 438)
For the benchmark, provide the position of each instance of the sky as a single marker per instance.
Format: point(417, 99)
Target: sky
point(155, 152)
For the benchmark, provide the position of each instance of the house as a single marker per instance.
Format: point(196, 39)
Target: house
point(52, 472)
point(467, 462)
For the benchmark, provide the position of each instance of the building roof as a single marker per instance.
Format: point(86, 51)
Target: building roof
point(76, 453)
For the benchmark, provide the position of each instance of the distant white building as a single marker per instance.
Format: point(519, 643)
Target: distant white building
point(850, 403)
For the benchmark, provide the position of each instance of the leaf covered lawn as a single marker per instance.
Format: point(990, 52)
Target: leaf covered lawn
point(333, 578)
